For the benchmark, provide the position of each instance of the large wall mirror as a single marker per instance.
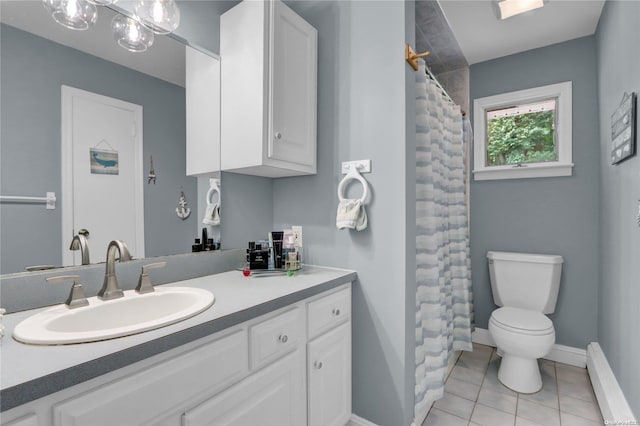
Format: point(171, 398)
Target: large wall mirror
point(38, 58)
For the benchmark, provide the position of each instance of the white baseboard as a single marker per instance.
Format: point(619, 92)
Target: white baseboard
point(359, 421)
point(559, 353)
point(568, 355)
point(613, 404)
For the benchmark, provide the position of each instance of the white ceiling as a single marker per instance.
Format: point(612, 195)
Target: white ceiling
point(482, 36)
point(164, 60)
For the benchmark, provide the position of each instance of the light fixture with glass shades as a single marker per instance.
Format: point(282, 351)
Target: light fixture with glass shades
point(73, 14)
point(131, 34)
point(135, 33)
point(509, 8)
point(160, 16)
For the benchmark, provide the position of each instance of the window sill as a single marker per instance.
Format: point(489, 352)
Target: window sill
point(524, 172)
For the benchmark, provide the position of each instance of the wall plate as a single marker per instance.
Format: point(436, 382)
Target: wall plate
point(363, 166)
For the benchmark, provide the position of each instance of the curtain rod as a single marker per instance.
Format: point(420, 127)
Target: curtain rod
point(444, 92)
point(412, 58)
point(435, 80)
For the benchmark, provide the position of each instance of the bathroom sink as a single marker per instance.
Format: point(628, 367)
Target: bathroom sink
point(131, 314)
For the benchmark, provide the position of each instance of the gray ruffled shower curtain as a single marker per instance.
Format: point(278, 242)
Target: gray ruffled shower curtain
point(444, 305)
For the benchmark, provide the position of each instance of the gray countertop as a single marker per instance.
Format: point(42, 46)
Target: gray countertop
point(30, 372)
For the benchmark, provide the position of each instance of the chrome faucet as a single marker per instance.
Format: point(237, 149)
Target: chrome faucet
point(81, 242)
point(110, 289)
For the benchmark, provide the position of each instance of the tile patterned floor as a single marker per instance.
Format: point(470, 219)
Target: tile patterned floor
point(474, 396)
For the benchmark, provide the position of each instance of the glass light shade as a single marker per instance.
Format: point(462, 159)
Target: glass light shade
point(73, 14)
point(131, 34)
point(160, 16)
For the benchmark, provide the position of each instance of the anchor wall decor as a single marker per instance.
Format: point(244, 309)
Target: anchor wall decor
point(182, 210)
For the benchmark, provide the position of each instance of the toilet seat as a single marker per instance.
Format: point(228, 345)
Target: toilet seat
point(522, 321)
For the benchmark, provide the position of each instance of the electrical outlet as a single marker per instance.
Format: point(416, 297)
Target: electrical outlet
point(297, 235)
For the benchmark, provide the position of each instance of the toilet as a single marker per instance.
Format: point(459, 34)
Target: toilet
point(525, 286)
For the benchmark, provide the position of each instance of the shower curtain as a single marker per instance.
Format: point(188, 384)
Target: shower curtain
point(444, 310)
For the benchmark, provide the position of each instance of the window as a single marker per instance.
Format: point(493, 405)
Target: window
point(523, 134)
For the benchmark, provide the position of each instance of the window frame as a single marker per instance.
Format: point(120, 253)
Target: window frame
point(562, 167)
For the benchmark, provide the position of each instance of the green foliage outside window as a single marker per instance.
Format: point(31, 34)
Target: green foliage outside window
point(523, 138)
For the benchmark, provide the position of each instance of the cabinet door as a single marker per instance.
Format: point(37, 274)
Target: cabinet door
point(272, 397)
point(202, 94)
point(329, 366)
point(293, 46)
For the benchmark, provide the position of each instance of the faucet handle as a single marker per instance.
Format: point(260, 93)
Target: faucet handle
point(144, 282)
point(76, 297)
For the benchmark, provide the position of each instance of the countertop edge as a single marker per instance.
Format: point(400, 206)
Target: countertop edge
point(38, 388)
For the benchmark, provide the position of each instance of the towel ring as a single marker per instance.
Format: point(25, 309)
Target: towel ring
point(214, 186)
point(353, 174)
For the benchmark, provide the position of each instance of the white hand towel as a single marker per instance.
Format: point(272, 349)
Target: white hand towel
point(212, 215)
point(2, 311)
point(352, 215)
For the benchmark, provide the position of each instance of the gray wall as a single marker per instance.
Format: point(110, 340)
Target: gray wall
point(618, 65)
point(33, 69)
point(556, 215)
point(200, 22)
point(246, 212)
point(362, 107)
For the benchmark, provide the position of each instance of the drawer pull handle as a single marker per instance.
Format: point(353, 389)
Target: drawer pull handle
point(336, 312)
point(318, 365)
point(278, 135)
point(283, 338)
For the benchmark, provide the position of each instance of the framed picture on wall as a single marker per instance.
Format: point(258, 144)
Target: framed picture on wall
point(623, 129)
point(104, 161)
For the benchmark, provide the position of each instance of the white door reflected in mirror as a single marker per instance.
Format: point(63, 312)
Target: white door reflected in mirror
point(102, 173)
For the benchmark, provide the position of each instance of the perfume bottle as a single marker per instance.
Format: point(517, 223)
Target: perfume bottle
point(246, 270)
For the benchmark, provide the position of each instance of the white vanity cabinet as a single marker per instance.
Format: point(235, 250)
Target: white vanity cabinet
point(269, 90)
point(288, 367)
point(202, 97)
point(161, 389)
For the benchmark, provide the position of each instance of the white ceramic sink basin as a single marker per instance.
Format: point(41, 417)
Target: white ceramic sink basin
point(131, 314)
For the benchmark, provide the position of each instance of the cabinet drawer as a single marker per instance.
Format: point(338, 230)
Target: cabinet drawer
point(329, 311)
point(271, 339)
point(30, 420)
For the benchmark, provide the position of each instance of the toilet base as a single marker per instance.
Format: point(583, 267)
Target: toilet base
point(520, 374)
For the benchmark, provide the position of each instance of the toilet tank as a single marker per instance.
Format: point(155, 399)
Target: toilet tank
point(524, 280)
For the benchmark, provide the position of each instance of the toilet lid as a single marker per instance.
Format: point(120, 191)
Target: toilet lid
point(522, 319)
